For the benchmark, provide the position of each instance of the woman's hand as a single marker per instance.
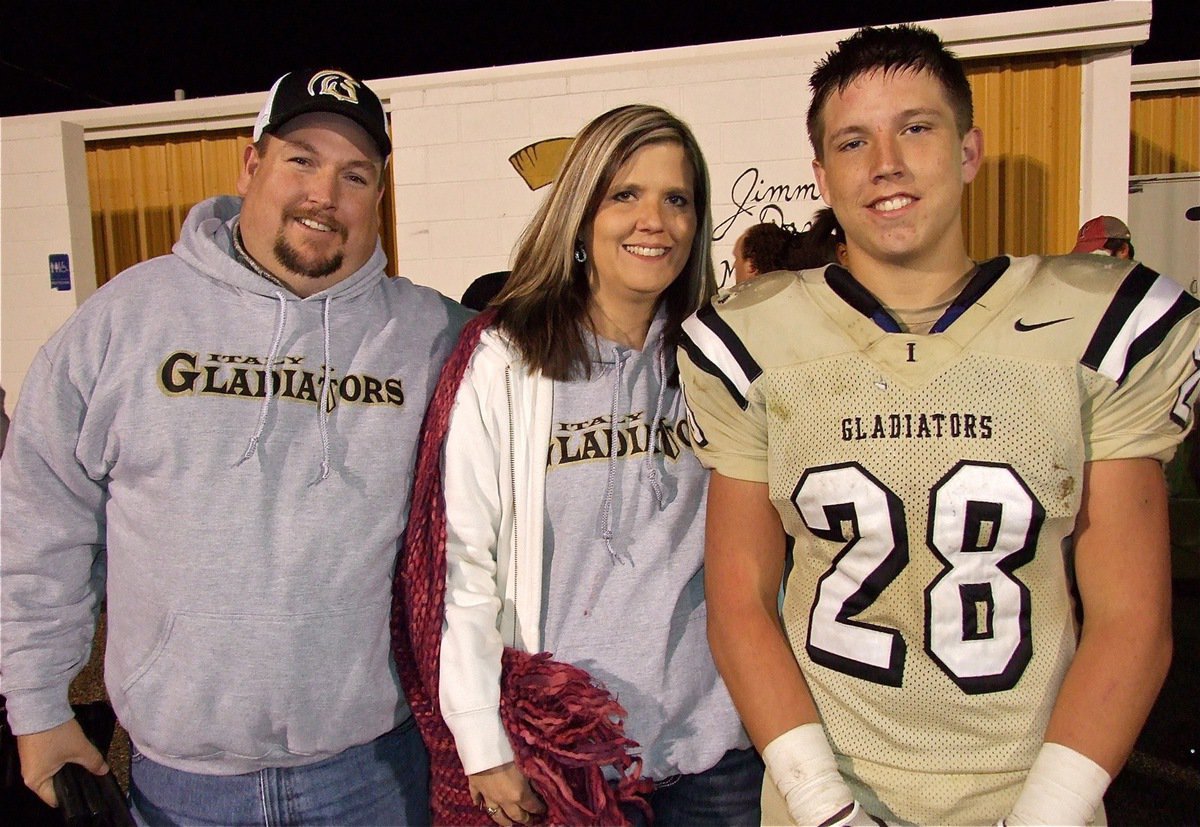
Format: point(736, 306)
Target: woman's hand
point(505, 794)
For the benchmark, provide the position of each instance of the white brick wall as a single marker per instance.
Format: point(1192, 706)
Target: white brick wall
point(529, 89)
point(43, 210)
point(460, 205)
point(424, 126)
point(559, 116)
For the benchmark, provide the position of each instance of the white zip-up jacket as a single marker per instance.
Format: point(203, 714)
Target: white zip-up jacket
point(495, 477)
point(495, 481)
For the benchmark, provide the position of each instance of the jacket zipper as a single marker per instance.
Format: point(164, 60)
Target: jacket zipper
point(512, 481)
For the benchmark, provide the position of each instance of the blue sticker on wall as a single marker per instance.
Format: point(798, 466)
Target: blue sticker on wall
point(60, 271)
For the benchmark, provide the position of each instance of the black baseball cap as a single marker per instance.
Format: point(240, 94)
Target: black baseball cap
point(324, 90)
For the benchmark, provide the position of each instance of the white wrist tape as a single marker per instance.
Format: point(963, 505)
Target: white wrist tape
point(1063, 787)
point(858, 817)
point(803, 768)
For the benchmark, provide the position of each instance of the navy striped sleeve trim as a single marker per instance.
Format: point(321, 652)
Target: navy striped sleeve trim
point(715, 349)
point(1185, 402)
point(844, 284)
point(986, 275)
point(1142, 314)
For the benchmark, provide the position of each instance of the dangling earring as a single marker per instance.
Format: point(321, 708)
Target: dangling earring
point(580, 252)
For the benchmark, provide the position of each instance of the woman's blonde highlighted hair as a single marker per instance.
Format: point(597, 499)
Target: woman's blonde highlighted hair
point(543, 305)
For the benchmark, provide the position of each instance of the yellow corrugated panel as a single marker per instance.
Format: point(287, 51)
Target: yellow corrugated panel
point(1164, 132)
point(142, 188)
point(1026, 197)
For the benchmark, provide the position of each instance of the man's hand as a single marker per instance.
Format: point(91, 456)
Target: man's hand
point(505, 794)
point(44, 753)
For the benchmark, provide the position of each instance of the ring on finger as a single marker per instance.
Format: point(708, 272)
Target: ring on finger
point(492, 810)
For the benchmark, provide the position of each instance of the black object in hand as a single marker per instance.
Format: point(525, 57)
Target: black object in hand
point(88, 800)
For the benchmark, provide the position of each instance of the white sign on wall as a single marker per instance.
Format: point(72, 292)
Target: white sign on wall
point(1163, 237)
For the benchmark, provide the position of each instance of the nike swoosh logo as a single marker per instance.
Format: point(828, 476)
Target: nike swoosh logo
point(1021, 327)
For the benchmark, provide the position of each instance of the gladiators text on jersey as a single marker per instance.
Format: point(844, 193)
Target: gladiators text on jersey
point(918, 426)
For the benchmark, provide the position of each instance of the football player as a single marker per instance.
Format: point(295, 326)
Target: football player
point(957, 448)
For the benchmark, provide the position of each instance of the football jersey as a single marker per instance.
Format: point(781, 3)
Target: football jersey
point(931, 483)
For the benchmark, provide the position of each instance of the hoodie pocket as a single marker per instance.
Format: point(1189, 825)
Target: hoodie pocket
point(253, 686)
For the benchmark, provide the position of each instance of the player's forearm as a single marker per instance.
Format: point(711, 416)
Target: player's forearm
point(1123, 568)
point(1101, 706)
point(743, 566)
point(758, 666)
point(1111, 686)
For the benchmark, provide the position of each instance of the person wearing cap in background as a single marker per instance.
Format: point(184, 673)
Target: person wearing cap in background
point(220, 442)
point(1105, 236)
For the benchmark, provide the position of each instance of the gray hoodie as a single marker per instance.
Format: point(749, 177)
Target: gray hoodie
point(623, 588)
point(248, 528)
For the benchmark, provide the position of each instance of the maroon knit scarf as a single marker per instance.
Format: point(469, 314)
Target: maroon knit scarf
point(563, 726)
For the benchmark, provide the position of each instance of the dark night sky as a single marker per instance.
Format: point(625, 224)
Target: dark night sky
point(57, 55)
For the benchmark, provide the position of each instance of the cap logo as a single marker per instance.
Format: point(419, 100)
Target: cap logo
point(335, 84)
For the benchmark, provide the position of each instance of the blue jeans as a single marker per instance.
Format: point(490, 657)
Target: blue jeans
point(383, 782)
point(726, 794)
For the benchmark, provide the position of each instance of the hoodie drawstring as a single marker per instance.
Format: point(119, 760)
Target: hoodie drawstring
point(651, 464)
point(652, 446)
point(322, 411)
point(269, 379)
point(609, 491)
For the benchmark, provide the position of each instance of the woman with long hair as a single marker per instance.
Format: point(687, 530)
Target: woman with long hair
point(573, 502)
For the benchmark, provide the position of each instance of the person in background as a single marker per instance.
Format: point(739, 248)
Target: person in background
point(825, 242)
point(767, 247)
point(763, 248)
point(572, 494)
point(481, 291)
point(1105, 236)
point(934, 432)
point(221, 442)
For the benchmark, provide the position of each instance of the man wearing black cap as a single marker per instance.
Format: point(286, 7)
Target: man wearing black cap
point(221, 443)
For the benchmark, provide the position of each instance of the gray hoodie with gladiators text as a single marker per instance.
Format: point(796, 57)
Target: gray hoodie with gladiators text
point(248, 527)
